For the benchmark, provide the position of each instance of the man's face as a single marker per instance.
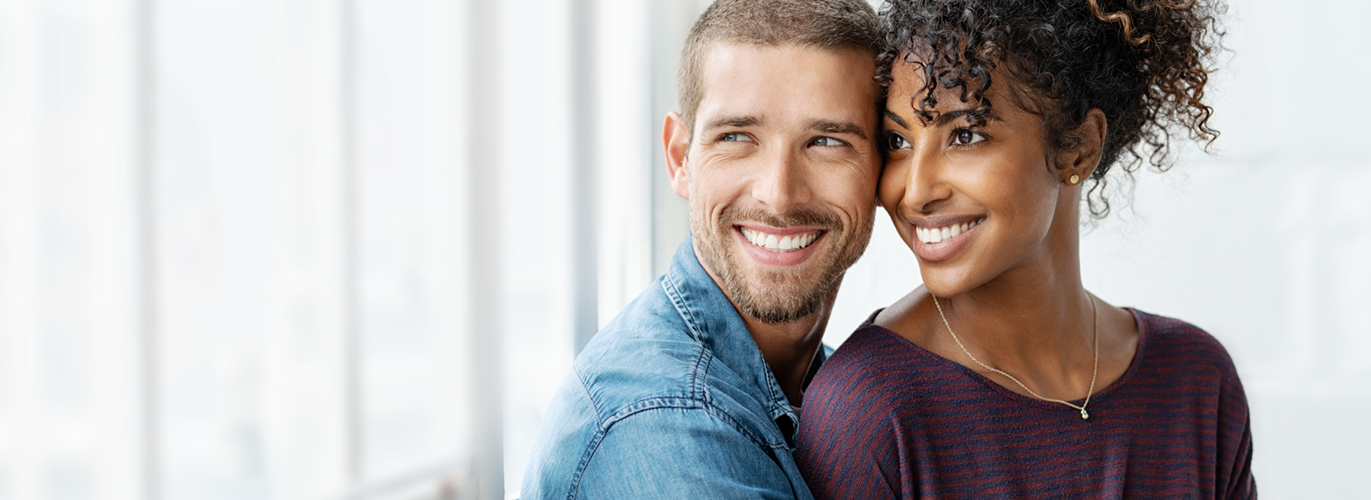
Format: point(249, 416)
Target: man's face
point(781, 173)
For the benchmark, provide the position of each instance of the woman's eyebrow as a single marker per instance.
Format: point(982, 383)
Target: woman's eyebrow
point(896, 118)
point(942, 119)
point(948, 117)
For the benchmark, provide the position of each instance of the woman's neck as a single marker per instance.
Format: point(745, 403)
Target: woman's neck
point(1035, 322)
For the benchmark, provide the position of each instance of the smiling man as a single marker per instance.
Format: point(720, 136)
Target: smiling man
point(695, 390)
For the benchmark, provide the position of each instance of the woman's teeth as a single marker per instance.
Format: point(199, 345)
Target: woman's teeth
point(775, 243)
point(938, 234)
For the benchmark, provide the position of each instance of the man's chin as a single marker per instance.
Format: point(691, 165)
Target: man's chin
point(778, 297)
point(765, 291)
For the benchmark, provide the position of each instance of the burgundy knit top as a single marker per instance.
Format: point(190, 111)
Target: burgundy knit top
point(885, 418)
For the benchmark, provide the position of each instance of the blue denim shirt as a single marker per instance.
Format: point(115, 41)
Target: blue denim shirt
point(671, 400)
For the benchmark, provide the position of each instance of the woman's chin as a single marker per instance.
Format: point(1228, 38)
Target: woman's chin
point(940, 283)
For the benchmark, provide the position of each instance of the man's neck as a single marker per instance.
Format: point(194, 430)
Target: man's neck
point(790, 348)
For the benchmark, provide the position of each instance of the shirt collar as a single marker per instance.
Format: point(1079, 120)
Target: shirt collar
point(714, 322)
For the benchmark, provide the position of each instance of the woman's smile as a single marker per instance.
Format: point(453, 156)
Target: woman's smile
point(942, 237)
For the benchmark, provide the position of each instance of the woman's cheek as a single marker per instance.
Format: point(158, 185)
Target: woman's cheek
point(892, 188)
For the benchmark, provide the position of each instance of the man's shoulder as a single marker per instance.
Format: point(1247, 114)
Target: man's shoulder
point(645, 352)
point(648, 355)
point(645, 373)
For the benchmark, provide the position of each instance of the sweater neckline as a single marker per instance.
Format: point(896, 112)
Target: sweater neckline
point(1099, 397)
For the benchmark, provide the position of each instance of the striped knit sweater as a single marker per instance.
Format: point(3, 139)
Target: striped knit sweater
point(885, 418)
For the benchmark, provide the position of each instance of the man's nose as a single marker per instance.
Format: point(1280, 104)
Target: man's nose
point(781, 181)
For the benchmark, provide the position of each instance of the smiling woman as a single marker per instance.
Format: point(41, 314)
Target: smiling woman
point(1002, 376)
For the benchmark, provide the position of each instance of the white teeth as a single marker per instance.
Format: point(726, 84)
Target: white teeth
point(939, 234)
point(779, 243)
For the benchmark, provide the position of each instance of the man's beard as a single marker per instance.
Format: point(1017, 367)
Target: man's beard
point(779, 296)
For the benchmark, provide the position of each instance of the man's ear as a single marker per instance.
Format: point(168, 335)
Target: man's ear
point(1080, 160)
point(676, 142)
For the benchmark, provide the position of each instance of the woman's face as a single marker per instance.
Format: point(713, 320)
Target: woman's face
point(973, 202)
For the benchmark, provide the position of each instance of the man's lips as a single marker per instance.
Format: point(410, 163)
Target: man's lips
point(778, 246)
point(780, 240)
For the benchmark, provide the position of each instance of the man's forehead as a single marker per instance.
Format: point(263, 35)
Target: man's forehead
point(764, 81)
point(714, 52)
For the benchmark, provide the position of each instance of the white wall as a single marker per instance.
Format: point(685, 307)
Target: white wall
point(233, 249)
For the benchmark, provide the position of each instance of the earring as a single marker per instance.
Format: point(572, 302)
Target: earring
point(1074, 180)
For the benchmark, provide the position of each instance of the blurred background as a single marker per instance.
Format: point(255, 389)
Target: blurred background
point(328, 249)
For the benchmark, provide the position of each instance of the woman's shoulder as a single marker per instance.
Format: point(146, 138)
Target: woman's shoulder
point(871, 346)
point(863, 388)
point(1160, 329)
point(1174, 343)
point(873, 365)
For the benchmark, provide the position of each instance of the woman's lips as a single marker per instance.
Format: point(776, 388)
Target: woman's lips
point(937, 239)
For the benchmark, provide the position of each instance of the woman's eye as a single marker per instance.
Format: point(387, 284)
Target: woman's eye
point(825, 141)
point(896, 142)
point(965, 137)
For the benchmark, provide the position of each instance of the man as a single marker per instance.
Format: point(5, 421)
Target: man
point(695, 389)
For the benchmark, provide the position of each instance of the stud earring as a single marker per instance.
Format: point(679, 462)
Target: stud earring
point(1074, 180)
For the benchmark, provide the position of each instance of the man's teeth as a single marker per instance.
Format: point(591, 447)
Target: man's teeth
point(779, 243)
point(938, 234)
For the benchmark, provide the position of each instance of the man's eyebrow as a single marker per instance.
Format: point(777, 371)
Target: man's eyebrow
point(734, 121)
point(838, 128)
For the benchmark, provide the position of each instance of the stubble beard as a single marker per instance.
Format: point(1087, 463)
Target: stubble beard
point(785, 295)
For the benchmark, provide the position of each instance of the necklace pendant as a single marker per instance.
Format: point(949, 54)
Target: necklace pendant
point(1084, 415)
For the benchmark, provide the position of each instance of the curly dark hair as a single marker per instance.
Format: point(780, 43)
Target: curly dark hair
point(1144, 63)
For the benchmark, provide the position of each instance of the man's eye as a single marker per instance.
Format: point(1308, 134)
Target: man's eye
point(895, 142)
point(826, 141)
point(734, 137)
point(965, 137)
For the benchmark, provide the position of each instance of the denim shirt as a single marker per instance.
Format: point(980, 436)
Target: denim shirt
point(672, 399)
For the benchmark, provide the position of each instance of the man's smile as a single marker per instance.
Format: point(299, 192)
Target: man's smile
point(780, 243)
point(781, 246)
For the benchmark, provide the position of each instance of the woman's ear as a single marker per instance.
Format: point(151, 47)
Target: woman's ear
point(1080, 160)
point(676, 142)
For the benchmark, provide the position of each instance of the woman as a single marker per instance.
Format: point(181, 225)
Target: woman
point(1001, 376)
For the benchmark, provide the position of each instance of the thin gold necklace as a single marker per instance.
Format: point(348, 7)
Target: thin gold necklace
point(1094, 311)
